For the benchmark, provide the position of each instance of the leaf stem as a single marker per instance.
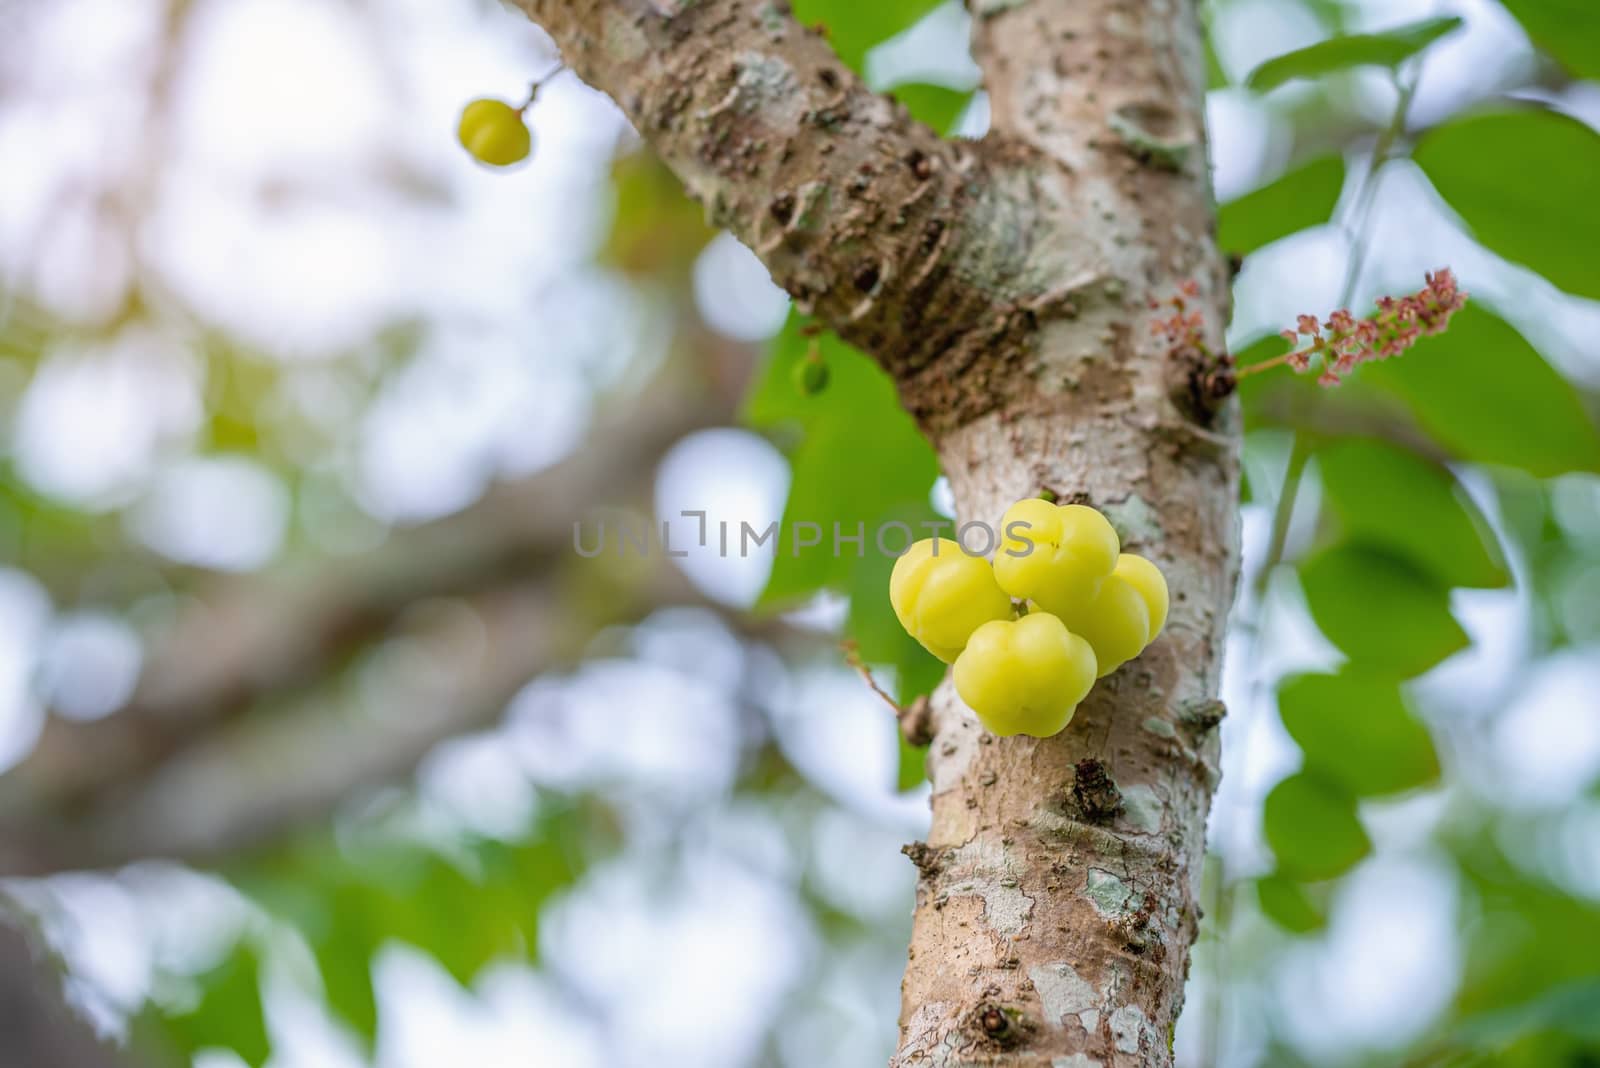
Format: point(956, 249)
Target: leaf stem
point(1355, 229)
point(1283, 512)
point(1359, 218)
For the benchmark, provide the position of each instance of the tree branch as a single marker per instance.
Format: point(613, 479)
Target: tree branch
point(1007, 286)
point(871, 221)
point(244, 639)
point(243, 780)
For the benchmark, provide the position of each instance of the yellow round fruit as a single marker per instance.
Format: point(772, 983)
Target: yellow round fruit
point(1115, 622)
point(494, 132)
point(1025, 677)
point(1147, 578)
point(941, 595)
point(1056, 555)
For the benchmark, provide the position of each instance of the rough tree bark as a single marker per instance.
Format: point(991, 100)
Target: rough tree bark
point(1007, 286)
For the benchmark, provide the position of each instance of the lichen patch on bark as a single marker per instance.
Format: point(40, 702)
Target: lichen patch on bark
point(1064, 993)
point(1111, 897)
point(985, 869)
point(1131, 1030)
point(1142, 809)
point(1135, 520)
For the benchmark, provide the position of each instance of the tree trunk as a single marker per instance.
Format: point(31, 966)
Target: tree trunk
point(1008, 286)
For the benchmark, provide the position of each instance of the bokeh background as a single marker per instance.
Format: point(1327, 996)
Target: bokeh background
point(320, 746)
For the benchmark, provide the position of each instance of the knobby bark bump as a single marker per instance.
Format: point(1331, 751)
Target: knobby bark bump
point(1006, 284)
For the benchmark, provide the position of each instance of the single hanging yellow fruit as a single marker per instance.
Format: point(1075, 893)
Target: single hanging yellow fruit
point(1025, 677)
point(941, 595)
point(1055, 555)
point(495, 133)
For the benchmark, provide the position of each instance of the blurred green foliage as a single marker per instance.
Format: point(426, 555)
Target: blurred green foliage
point(471, 903)
point(1395, 534)
point(1379, 610)
point(1313, 829)
point(1389, 48)
point(1569, 30)
point(1287, 904)
point(1484, 393)
point(228, 1015)
point(857, 463)
point(1523, 181)
point(1357, 733)
point(1303, 198)
point(853, 28)
point(1384, 495)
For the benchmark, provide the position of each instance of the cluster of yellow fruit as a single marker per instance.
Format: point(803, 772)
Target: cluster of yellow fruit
point(1090, 609)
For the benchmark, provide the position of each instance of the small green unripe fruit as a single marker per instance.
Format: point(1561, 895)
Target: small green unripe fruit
point(1025, 677)
point(811, 375)
point(494, 132)
point(940, 599)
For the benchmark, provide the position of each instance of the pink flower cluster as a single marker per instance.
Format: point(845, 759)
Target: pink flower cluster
point(1391, 330)
point(1207, 376)
point(1184, 328)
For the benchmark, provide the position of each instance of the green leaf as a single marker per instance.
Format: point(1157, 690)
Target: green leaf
point(913, 765)
point(1287, 904)
point(1571, 1009)
point(1567, 29)
point(872, 624)
point(1382, 612)
point(1524, 181)
point(1486, 394)
point(656, 229)
point(1216, 77)
point(881, 640)
point(937, 106)
point(1390, 48)
point(1312, 828)
point(479, 905)
point(1303, 198)
point(859, 457)
point(437, 910)
point(1388, 496)
point(1356, 731)
point(854, 26)
point(344, 957)
point(229, 1014)
point(1533, 936)
point(860, 464)
point(468, 919)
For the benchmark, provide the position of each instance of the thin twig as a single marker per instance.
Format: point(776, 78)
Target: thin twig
point(538, 83)
point(852, 656)
point(916, 719)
